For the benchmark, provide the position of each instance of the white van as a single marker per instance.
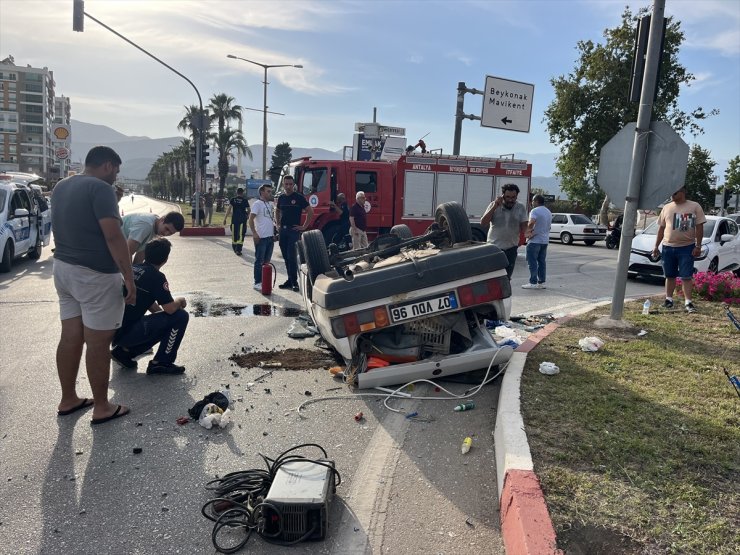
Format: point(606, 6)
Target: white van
point(25, 222)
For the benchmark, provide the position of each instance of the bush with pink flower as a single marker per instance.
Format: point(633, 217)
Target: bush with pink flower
point(723, 287)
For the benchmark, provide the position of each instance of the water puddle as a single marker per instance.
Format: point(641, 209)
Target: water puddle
point(202, 305)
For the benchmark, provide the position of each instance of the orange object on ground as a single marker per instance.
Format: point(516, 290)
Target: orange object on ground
point(377, 362)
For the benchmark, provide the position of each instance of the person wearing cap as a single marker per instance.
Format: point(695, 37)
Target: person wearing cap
point(680, 229)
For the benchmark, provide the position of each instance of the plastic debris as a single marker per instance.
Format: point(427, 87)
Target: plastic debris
point(138, 450)
point(264, 364)
point(359, 416)
point(298, 330)
point(221, 399)
point(549, 369)
point(466, 445)
point(213, 414)
point(642, 333)
point(467, 405)
point(591, 344)
point(181, 421)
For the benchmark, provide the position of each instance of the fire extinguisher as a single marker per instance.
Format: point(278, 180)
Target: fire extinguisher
point(269, 277)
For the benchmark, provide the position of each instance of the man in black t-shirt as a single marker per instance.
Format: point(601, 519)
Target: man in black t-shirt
point(165, 325)
point(239, 205)
point(290, 206)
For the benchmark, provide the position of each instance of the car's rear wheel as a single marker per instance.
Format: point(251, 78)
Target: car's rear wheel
point(590, 242)
point(314, 249)
point(713, 266)
point(7, 261)
point(451, 217)
point(566, 238)
point(35, 253)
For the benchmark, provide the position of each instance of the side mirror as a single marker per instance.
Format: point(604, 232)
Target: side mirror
point(725, 238)
point(20, 213)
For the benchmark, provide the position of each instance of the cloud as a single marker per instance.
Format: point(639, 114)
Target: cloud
point(415, 59)
point(702, 80)
point(460, 57)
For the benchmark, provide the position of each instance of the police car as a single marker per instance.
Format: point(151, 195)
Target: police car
point(25, 221)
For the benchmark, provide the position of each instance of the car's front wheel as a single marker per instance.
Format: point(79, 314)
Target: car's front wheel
point(7, 261)
point(713, 266)
point(566, 238)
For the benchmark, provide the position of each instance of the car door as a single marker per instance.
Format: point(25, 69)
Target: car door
point(21, 225)
point(558, 222)
point(730, 257)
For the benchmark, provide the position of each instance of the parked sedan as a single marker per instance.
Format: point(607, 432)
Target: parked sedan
point(576, 227)
point(720, 249)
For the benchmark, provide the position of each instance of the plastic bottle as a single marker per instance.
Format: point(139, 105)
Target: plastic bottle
point(467, 405)
point(646, 307)
point(466, 444)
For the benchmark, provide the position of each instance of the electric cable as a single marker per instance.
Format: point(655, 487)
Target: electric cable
point(240, 501)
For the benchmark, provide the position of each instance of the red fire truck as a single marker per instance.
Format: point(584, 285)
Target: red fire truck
point(407, 190)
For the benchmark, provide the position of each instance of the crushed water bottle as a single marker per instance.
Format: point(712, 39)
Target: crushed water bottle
point(466, 444)
point(646, 307)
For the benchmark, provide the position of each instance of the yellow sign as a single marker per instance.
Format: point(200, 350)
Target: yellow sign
point(61, 132)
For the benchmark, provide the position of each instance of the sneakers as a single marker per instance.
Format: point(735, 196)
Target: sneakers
point(690, 308)
point(257, 287)
point(164, 368)
point(296, 288)
point(123, 358)
point(668, 304)
point(533, 286)
point(286, 285)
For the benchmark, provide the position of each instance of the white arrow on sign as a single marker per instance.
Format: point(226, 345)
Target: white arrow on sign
point(507, 104)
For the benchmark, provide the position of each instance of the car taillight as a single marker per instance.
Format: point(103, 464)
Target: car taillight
point(365, 320)
point(588, 230)
point(482, 292)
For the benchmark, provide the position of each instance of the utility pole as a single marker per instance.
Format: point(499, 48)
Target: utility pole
point(461, 115)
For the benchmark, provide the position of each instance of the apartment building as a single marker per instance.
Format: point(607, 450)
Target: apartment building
point(26, 119)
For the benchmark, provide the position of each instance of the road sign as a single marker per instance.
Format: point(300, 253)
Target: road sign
point(507, 104)
point(665, 165)
point(62, 153)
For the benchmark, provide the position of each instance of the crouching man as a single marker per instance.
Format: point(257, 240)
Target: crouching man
point(165, 325)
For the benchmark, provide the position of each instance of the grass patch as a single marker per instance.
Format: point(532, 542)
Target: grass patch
point(638, 445)
point(217, 220)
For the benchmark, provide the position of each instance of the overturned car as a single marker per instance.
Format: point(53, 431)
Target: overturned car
point(406, 307)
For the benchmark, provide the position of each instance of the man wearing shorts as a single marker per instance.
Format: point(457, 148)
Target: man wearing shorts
point(90, 256)
point(681, 229)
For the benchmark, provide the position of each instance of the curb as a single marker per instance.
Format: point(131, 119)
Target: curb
point(526, 526)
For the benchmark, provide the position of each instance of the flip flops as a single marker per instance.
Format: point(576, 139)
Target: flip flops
point(117, 414)
point(86, 403)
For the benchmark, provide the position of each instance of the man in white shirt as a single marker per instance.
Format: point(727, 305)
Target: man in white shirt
point(262, 224)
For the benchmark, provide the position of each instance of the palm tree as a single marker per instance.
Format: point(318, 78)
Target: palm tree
point(224, 110)
point(227, 140)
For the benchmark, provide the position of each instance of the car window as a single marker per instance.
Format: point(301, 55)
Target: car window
point(3, 200)
point(731, 226)
point(709, 228)
point(366, 181)
point(581, 219)
point(559, 219)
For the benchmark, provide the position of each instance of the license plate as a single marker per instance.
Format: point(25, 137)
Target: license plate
point(408, 311)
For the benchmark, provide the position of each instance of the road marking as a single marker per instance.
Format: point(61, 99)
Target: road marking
point(370, 493)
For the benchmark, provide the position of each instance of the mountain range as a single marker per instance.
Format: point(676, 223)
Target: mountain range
point(139, 153)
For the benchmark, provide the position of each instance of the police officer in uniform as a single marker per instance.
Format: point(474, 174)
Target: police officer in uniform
point(290, 206)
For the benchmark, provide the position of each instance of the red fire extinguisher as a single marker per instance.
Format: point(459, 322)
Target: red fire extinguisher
point(269, 277)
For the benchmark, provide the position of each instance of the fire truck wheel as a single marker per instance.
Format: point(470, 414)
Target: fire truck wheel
point(402, 231)
point(314, 249)
point(452, 217)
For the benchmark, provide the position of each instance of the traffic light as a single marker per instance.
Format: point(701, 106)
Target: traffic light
point(726, 198)
point(78, 16)
point(193, 154)
point(204, 155)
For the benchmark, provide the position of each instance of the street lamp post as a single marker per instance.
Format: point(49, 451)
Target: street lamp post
point(264, 105)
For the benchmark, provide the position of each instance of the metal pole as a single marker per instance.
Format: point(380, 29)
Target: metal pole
point(264, 131)
point(639, 153)
point(461, 88)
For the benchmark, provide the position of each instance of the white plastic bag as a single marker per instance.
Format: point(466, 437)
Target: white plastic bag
point(549, 368)
point(591, 344)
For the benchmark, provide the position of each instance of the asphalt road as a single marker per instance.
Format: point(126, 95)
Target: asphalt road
point(406, 488)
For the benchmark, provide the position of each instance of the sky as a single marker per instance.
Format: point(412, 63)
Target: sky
point(404, 58)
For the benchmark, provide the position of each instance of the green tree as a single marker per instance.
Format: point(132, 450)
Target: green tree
point(732, 177)
point(226, 141)
point(281, 156)
point(700, 178)
point(591, 104)
point(224, 110)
